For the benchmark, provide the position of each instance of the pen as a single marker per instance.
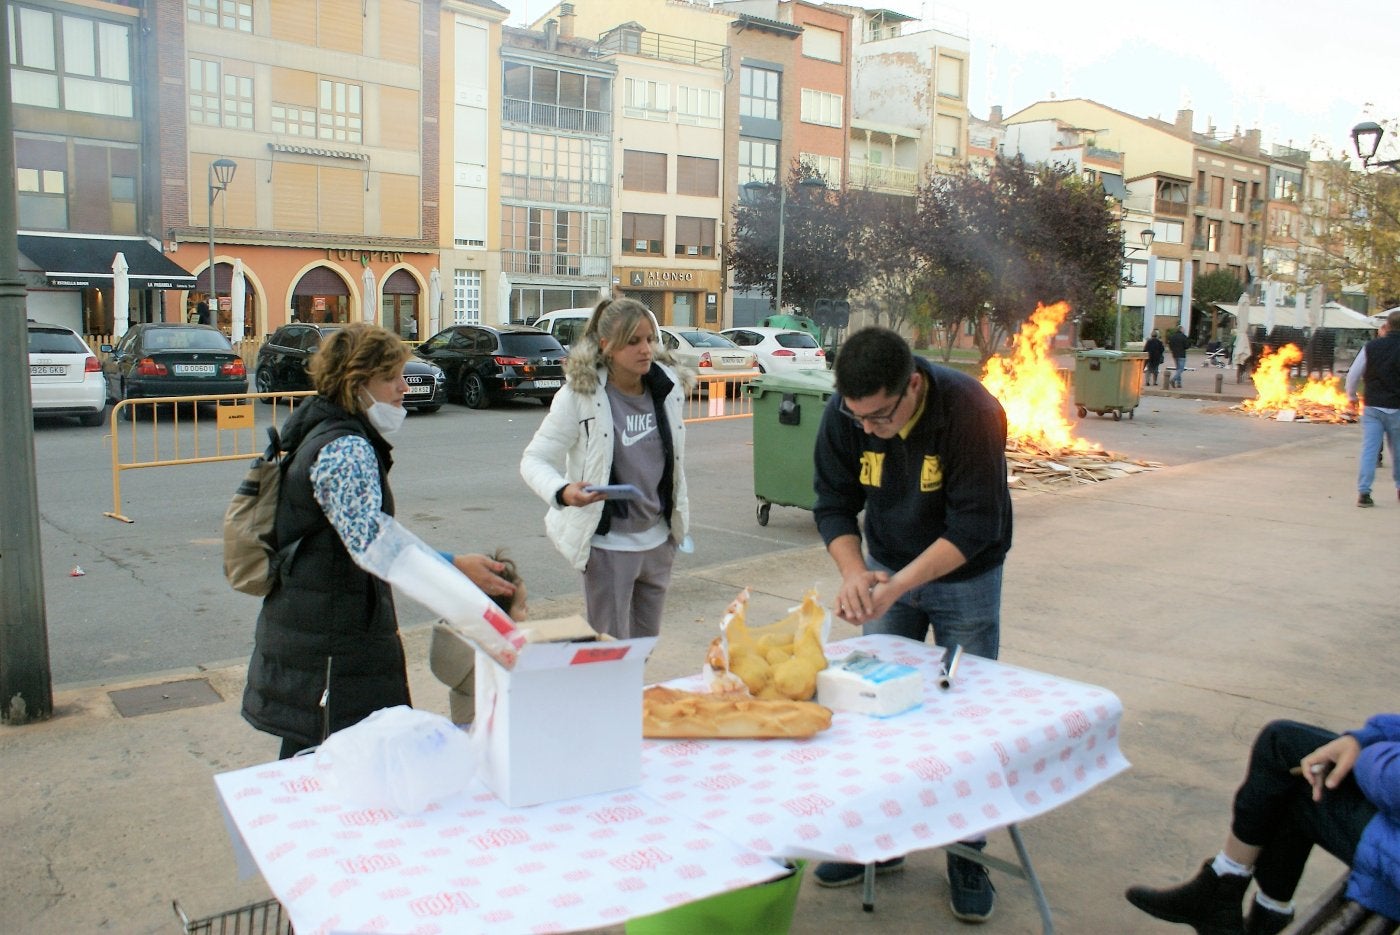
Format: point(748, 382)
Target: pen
point(950, 671)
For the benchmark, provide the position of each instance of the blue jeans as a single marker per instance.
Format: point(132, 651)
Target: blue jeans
point(1376, 426)
point(1180, 369)
point(964, 613)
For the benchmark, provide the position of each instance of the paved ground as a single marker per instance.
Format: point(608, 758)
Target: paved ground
point(1210, 596)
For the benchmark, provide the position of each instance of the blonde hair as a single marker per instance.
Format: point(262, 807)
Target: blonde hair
point(350, 357)
point(614, 321)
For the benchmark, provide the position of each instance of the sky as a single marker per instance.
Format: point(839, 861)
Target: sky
point(1303, 73)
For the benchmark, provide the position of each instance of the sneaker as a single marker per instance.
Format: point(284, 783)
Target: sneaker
point(971, 894)
point(835, 873)
point(1365, 500)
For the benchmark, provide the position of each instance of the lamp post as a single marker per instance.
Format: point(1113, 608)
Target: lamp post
point(1147, 236)
point(1366, 137)
point(750, 189)
point(220, 175)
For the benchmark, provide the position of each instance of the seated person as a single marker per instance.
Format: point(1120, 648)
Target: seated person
point(453, 659)
point(1347, 799)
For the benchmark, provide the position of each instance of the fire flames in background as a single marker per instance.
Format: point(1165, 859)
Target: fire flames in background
point(1314, 401)
point(1031, 389)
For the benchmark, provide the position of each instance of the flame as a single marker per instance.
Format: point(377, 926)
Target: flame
point(1030, 388)
point(1316, 400)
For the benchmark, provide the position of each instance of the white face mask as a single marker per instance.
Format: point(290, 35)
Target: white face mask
point(386, 418)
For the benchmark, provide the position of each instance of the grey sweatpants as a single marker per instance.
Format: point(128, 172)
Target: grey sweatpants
point(624, 592)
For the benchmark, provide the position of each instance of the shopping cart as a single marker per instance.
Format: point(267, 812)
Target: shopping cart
point(264, 918)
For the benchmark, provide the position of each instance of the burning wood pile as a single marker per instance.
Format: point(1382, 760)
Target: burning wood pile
point(1041, 449)
point(1314, 401)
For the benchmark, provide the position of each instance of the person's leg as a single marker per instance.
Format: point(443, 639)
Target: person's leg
point(649, 589)
point(966, 613)
point(905, 617)
point(1391, 422)
point(1372, 431)
point(607, 590)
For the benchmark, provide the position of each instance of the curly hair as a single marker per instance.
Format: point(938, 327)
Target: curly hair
point(350, 357)
point(511, 574)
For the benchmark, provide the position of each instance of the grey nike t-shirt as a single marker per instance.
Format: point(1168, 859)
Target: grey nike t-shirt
point(639, 458)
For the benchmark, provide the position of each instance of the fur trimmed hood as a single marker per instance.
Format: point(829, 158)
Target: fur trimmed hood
point(585, 362)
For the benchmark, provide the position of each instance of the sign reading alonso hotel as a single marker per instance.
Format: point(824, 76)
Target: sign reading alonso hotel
point(685, 280)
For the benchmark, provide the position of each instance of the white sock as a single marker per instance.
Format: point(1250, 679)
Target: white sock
point(1281, 908)
point(1224, 866)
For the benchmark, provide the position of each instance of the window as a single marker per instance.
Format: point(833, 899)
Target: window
point(545, 167)
point(947, 135)
point(758, 92)
point(824, 44)
point(643, 172)
point(548, 97)
point(698, 106)
point(1168, 306)
point(43, 198)
point(828, 167)
point(1168, 270)
point(758, 161)
point(1217, 192)
point(695, 236)
point(215, 101)
point(822, 108)
point(338, 116)
point(1237, 196)
point(696, 175)
point(643, 233)
point(1212, 236)
point(649, 99)
point(293, 120)
point(226, 14)
point(1286, 186)
point(545, 241)
point(1168, 231)
point(950, 73)
point(94, 76)
point(1236, 244)
point(466, 297)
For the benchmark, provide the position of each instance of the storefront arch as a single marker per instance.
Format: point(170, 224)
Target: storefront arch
point(322, 292)
point(401, 302)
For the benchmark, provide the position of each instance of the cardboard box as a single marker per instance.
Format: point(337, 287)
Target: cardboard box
point(566, 721)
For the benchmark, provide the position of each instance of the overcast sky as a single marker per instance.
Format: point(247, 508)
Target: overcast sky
point(1303, 73)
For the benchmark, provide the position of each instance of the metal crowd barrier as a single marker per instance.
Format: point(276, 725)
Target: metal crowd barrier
point(170, 430)
point(720, 396)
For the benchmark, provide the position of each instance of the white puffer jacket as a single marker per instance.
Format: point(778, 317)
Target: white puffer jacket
point(575, 443)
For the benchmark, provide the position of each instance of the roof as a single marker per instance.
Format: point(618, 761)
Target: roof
point(80, 260)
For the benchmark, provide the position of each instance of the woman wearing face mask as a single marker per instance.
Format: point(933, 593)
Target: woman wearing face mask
point(327, 652)
point(618, 420)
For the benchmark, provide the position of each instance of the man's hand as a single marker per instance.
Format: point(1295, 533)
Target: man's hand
point(1330, 763)
point(859, 598)
point(484, 573)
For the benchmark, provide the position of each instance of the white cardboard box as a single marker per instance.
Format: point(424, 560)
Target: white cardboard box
point(565, 722)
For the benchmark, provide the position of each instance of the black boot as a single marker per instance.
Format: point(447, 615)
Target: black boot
point(1263, 921)
point(1208, 903)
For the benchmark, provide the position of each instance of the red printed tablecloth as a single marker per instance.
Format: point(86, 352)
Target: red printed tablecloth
point(1003, 745)
point(472, 865)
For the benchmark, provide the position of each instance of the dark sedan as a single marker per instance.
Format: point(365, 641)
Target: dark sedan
point(172, 359)
point(281, 367)
point(484, 364)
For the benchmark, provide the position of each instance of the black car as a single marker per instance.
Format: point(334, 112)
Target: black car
point(484, 364)
point(173, 359)
point(281, 367)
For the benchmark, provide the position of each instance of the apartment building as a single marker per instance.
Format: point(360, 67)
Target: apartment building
point(88, 189)
point(1230, 187)
point(302, 140)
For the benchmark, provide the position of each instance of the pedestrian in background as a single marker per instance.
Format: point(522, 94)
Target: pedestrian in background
point(1178, 342)
point(1378, 365)
point(618, 420)
point(921, 450)
point(1156, 352)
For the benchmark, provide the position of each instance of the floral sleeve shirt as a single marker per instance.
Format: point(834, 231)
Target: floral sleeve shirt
point(345, 482)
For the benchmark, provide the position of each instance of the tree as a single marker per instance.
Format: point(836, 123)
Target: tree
point(1219, 285)
point(880, 247)
point(1356, 227)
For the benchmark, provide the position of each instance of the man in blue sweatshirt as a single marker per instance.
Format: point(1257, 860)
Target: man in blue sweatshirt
point(922, 450)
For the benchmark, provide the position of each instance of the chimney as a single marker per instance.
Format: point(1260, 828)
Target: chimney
point(1184, 119)
point(551, 34)
point(566, 21)
point(994, 118)
point(1252, 141)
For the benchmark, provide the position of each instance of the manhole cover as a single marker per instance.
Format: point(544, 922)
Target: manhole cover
point(167, 696)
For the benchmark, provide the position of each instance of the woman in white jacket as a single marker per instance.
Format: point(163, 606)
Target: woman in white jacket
point(618, 420)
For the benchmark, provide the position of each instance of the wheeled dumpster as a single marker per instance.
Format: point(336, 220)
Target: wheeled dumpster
point(787, 412)
point(1107, 381)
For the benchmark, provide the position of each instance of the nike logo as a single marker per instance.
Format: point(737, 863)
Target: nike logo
point(638, 428)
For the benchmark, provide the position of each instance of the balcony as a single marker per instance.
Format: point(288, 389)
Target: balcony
point(890, 179)
point(664, 48)
point(540, 263)
point(555, 116)
point(1172, 208)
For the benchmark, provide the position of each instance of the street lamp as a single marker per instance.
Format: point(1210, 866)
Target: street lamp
point(1147, 236)
point(751, 189)
point(220, 174)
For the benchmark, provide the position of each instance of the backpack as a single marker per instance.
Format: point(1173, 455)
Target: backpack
point(252, 558)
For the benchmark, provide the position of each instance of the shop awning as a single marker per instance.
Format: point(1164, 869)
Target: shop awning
point(77, 261)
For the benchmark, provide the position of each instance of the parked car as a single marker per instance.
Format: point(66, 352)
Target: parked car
point(173, 359)
point(706, 352)
point(564, 324)
point(65, 377)
point(779, 348)
point(281, 367)
point(484, 364)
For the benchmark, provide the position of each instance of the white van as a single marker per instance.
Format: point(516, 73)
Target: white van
point(564, 323)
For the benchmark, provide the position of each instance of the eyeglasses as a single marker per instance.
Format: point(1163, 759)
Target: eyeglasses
point(884, 417)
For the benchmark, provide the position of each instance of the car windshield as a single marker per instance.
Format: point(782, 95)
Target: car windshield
point(530, 345)
point(706, 339)
point(796, 339)
point(45, 341)
point(193, 339)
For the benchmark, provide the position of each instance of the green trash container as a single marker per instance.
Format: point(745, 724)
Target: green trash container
point(787, 412)
point(762, 909)
point(1107, 381)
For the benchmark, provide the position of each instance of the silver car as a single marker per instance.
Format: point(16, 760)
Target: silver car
point(65, 377)
point(706, 352)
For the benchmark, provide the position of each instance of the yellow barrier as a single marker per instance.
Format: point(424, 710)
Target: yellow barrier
point(720, 396)
point(173, 438)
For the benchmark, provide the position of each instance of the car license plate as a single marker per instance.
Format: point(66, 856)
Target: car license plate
point(47, 370)
point(420, 389)
point(194, 369)
point(547, 384)
point(735, 361)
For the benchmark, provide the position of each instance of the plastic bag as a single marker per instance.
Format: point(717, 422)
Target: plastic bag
point(398, 758)
point(779, 660)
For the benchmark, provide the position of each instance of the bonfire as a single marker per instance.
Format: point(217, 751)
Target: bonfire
point(1040, 444)
point(1314, 401)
